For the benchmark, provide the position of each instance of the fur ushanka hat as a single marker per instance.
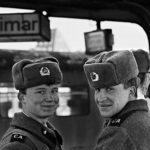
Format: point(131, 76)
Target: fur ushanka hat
point(142, 59)
point(29, 73)
point(111, 68)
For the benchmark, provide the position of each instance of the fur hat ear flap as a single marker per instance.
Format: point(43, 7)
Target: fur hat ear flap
point(142, 59)
point(28, 73)
point(96, 59)
point(17, 73)
point(52, 59)
point(111, 68)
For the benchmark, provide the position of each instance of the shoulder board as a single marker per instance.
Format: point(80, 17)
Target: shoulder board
point(114, 122)
point(18, 137)
point(118, 121)
point(22, 139)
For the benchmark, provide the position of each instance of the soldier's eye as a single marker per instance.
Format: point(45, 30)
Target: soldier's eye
point(54, 91)
point(41, 92)
point(109, 89)
point(97, 89)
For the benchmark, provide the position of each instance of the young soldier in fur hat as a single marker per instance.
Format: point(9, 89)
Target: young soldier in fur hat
point(113, 75)
point(143, 62)
point(37, 82)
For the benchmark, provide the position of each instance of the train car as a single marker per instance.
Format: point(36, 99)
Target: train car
point(76, 118)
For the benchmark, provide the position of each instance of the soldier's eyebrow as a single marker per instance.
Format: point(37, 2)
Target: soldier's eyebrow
point(55, 88)
point(40, 88)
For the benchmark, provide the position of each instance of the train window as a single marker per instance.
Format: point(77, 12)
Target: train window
point(127, 35)
point(67, 34)
point(73, 101)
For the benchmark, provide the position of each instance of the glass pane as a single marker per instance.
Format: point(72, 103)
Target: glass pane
point(73, 101)
point(9, 103)
point(68, 35)
point(127, 35)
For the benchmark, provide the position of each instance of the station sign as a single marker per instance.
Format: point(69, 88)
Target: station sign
point(24, 27)
point(98, 40)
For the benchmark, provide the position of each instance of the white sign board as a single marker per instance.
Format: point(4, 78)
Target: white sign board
point(95, 41)
point(24, 27)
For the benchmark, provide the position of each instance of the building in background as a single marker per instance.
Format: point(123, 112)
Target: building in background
point(57, 43)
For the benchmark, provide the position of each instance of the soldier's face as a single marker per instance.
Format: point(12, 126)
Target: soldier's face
point(111, 100)
point(41, 101)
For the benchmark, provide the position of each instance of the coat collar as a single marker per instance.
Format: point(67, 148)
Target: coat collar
point(45, 134)
point(135, 105)
point(130, 108)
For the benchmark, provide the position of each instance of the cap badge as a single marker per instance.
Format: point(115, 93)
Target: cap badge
point(94, 76)
point(44, 71)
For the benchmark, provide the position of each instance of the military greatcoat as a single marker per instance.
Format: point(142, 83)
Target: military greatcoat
point(128, 130)
point(25, 133)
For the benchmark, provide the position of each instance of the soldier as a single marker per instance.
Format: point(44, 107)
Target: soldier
point(143, 62)
point(113, 75)
point(37, 82)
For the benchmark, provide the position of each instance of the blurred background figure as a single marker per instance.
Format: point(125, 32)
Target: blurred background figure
point(143, 62)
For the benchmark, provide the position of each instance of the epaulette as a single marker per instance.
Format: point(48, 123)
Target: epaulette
point(23, 139)
point(113, 122)
point(117, 121)
point(18, 138)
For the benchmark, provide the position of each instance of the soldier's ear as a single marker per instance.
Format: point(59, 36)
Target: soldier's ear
point(132, 92)
point(21, 97)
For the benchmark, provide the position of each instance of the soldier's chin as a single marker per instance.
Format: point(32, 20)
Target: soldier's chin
point(47, 116)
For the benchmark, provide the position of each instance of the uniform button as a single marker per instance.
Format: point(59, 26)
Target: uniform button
point(44, 132)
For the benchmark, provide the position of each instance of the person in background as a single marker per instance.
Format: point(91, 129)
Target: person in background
point(143, 62)
point(38, 82)
point(114, 77)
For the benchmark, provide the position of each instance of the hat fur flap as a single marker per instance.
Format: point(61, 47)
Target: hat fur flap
point(28, 73)
point(123, 65)
point(17, 74)
point(142, 59)
point(98, 75)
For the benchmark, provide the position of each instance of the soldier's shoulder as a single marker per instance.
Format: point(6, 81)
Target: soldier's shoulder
point(16, 141)
point(15, 146)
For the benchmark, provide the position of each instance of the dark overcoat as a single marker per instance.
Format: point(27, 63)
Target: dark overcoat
point(25, 133)
point(128, 130)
